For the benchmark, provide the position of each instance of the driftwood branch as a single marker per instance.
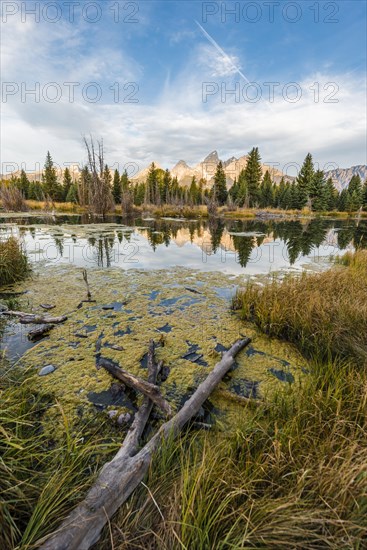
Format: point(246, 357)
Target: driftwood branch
point(118, 478)
point(39, 332)
point(147, 388)
point(29, 318)
point(85, 277)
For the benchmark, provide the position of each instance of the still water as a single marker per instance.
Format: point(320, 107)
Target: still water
point(230, 246)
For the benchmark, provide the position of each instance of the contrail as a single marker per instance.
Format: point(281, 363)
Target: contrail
point(227, 57)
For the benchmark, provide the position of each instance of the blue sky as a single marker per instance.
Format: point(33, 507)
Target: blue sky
point(172, 62)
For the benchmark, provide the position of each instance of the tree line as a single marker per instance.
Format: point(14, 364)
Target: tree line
point(99, 189)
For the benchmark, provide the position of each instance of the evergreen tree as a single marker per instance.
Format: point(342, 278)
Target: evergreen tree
point(294, 200)
point(194, 192)
point(364, 196)
point(116, 187)
point(253, 175)
point(202, 183)
point(139, 194)
point(107, 178)
point(72, 195)
point(242, 194)
point(51, 186)
point(266, 191)
point(318, 192)
point(84, 186)
point(343, 202)
point(23, 184)
point(220, 192)
point(233, 192)
point(125, 182)
point(166, 187)
point(304, 181)
point(331, 195)
point(36, 191)
point(66, 183)
point(152, 185)
point(355, 192)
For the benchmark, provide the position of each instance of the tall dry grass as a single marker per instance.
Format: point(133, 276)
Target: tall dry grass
point(14, 265)
point(324, 314)
point(12, 199)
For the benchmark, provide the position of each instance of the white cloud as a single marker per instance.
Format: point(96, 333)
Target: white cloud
point(178, 124)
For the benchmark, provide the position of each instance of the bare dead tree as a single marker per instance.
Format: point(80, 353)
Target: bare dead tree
point(100, 196)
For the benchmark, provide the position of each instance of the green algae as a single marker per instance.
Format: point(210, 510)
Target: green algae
point(143, 302)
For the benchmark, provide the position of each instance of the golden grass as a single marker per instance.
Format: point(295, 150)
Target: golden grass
point(13, 262)
point(324, 314)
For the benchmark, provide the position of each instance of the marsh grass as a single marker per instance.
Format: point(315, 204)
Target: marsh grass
point(293, 475)
point(14, 264)
point(324, 314)
point(40, 479)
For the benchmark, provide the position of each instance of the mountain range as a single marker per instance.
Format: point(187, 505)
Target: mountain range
point(232, 168)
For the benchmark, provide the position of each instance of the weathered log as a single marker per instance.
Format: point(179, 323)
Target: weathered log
point(29, 318)
point(39, 332)
point(47, 306)
point(118, 478)
point(148, 389)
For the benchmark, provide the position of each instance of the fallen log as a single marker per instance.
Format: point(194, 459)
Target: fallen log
point(148, 389)
point(39, 332)
point(118, 478)
point(30, 318)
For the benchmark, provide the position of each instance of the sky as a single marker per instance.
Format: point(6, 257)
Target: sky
point(168, 80)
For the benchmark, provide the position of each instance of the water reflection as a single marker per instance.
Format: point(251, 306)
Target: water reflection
point(228, 245)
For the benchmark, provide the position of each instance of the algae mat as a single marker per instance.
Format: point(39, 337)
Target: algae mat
point(186, 312)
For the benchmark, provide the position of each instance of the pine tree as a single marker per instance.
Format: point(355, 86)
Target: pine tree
point(331, 195)
point(72, 195)
point(194, 192)
point(364, 199)
point(152, 185)
point(253, 175)
point(233, 192)
point(304, 181)
point(166, 187)
point(355, 192)
point(36, 191)
point(116, 187)
point(294, 200)
point(51, 186)
point(23, 184)
point(84, 186)
point(317, 192)
point(343, 202)
point(66, 184)
point(266, 191)
point(139, 193)
point(220, 192)
point(242, 194)
point(107, 178)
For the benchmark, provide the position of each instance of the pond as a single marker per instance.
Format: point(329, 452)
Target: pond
point(170, 280)
point(229, 246)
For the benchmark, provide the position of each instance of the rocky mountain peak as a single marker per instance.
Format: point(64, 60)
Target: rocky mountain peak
point(212, 157)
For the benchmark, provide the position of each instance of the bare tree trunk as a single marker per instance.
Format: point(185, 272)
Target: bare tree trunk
point(119, 478)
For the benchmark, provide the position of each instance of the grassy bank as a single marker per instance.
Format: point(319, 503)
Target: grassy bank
point(40, 479)
point(188, 211)
point(292, 472)
point(325, 315)
point(14, 264)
